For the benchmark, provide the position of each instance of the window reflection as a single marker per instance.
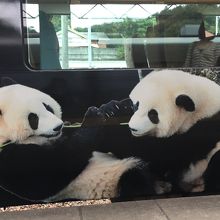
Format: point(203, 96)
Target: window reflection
point(118, 36)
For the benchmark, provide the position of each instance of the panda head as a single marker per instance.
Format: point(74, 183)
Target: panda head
point(28, 116)
point(172, 101)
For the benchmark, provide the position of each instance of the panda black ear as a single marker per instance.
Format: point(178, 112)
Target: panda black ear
point(7, 81)
point(184, 101)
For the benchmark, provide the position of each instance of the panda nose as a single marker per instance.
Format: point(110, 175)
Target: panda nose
point(133, 129)
point(58, 128)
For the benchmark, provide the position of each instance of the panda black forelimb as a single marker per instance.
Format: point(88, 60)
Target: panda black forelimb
point(117, 111)
point(136, 182)
point(91, 129)
point(95, 119)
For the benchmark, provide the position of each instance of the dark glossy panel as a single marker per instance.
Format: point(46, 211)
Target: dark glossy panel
point(11, 56)
point(77, 90)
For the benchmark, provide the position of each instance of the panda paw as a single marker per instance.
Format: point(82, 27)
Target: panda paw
point(197, 185)
point(117, 110)
point(110, 109)
point(162, 187)
point(91, 129)
point(112, 112)
point(93, 117)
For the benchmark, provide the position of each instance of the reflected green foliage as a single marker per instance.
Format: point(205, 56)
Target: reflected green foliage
point(167, 23)
point(127, 27)
point(170, 21)
point(56, 21)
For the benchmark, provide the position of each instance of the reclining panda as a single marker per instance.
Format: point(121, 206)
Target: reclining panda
point(39, 158)
point(174, 129)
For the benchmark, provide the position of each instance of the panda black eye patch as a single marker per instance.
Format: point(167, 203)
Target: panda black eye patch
point(49, 109)
point(33, 120)
point(153, 116)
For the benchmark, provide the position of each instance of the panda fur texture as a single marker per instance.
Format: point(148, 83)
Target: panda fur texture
point(175, 133)
point(174, 124)
point(43, 159)
point(185, 103)
point(28, 116)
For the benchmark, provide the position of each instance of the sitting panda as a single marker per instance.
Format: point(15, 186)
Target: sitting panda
point(182, 111)
point(39, 158)
point(174, 127)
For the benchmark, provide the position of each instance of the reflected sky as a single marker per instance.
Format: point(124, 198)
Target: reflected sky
point(86, 15)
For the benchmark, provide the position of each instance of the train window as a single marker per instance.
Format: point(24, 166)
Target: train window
point(82, 36)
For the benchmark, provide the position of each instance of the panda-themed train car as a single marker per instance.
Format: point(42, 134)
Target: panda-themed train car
point(80, 55)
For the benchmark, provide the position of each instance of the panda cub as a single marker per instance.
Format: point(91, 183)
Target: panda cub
point(174, 125)
point(182, 111)
point(40, 160)
point(28, 116)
